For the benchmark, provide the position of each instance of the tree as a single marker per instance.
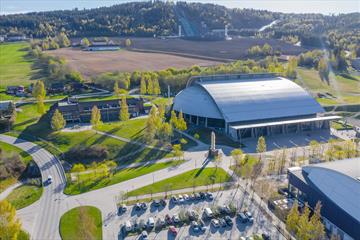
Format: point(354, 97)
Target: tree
point(78, 167)
point(124, 111)
point(173, 119)
point(317, 227)
point(63, 40)
point(95, 116)
point(261, 146)
point(177, 151)
point(323, 69)
point(156, 87)
point(197, 136)
point(57, 121)
point(237, 155)
point(85, 42)
point(267, 49)
point(150, 86)
point(292, 219)
point(116, 89)
point(303, 227)
point(38, 91)
point(181, 124)
point(291, 68)
point(165, 132)
point(128, 42)
point(161, 110)
point(143, 87)
point(9, 225)
point(53, 44)
point(314, 148)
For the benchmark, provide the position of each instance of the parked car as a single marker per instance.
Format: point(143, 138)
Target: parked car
point(193, 215)
point(173, 230)
point(197, 196)
point(195, 226)
point(144, 206)
point(151, 222)
point(137, 206)
point(242, 217)
point(186, 197)
point(192, 197)
point(209, 195)
point(122, 208)
point(202, 195)
point(222, 222)
point(144, 235)
point(142, 224)
point(225, 210)
point(135, 225)
point(128, 226)
point(249, 216)
point(228, 221)
point(174, 199)
point(168, 219)
point(202, 225)
point(163, 202)
point(266, 236)
point(180, 199)
point(215, 223)
point(176, 218)
point(208, 213)
point(156, 202)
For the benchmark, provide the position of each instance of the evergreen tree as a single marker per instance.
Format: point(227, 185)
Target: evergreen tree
point(9, 225)
point(124, 111)
point(57, 121)
point(143, 88)
point(95, 116)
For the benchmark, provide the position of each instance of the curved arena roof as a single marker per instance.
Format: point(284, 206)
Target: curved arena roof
point(245, 98)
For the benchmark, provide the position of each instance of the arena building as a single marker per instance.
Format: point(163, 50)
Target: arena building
point(250, 105)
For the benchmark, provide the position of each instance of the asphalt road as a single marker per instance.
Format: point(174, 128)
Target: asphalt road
point(42, 218)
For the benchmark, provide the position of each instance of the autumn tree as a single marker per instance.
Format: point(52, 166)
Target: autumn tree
point(237, 155)
point(39, 93)
point(261, 146)
point(150, 86)
point(124, 111)
point(177, 151)
point(173, 119)
point(95, 116)
point(303, 227)
point(181, 124)
point(116, 89)
point(292, 219)
point(85, 42)
point(291, 68)
point(317, 227)
point(63, 40)
point(143, 87)
point(323, 69)
point(57, 121)
point(9, 225)
point(156, 87)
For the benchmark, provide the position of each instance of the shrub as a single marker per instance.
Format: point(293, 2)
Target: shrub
point(87, 154)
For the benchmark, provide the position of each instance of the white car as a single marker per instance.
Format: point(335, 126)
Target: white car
point(49, 180)
point(215, 223)
point(186, 197)
point(151, 222)
point(180, 199)
point(176, 218)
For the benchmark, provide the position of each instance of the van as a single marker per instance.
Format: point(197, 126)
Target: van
point(128, 226)
point(208, 212)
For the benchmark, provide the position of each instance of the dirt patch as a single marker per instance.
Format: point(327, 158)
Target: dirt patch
point(93, 63)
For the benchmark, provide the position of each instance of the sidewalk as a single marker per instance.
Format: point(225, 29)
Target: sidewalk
point(7, 191)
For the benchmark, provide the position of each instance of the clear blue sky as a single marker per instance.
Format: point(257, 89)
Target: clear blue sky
point(288, 6)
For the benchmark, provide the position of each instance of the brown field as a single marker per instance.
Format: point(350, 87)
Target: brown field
point(93, 63)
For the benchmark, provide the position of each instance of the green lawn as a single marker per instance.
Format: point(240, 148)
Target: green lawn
point(131, 129)
point(81, 223)
point(8, 149)
point(196, 177)
point(24, 196)
point(345, 89)
point(27, 116)
point(15, 65)
point(89, 181)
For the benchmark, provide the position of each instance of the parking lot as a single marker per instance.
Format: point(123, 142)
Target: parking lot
point(179, 211)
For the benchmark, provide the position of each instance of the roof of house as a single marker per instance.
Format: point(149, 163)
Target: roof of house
point(237, 98)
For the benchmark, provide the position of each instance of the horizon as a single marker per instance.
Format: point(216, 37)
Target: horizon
point(326, 7)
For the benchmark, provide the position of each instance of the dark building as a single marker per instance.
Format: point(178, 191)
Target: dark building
point(75, 111)
point(337, 186)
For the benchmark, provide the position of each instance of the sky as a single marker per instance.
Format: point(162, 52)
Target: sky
point(287, 6)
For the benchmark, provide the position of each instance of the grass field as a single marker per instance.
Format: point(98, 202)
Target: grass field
point(24, 196)
point(15, 65)
point(81, 223)
point(343, 89)
point(88, 181)
point(196, 177)
point(8, 149)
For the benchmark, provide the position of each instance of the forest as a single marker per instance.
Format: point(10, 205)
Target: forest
point(159, 18)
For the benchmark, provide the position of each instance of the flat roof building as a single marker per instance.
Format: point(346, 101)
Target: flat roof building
point(250, 105)
point(337, 186)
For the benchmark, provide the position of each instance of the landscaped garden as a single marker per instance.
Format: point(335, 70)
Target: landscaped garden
point(193, 178)
point(81, 223)
point(91, 180)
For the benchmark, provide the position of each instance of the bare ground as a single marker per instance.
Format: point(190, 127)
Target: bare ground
point(93, 63)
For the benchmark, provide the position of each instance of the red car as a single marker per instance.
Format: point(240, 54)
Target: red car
point(173, 230)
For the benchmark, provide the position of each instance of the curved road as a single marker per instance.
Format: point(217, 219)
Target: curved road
point(42, 218)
